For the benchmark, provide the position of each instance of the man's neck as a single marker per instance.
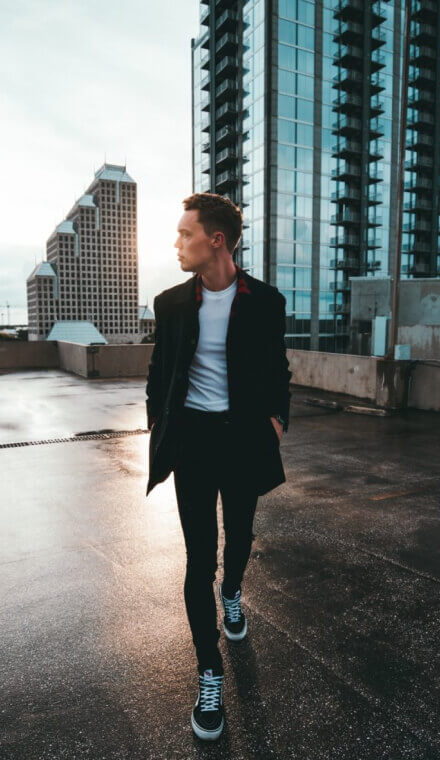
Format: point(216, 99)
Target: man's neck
point(219, 278)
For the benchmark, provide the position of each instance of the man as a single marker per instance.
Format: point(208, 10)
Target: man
point(217, 405)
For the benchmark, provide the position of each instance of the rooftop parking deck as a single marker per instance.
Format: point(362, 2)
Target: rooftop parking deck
point(341, 660)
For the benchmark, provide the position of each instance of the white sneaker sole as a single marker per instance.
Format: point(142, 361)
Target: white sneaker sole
point(202, 733)
point(232, 636)
point(236, 636)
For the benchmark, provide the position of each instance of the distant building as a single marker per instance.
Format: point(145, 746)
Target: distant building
point(147, 322)
point(91, 272)
point(42, 300)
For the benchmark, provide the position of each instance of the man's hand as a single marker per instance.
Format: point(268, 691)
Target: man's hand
point(278, 427)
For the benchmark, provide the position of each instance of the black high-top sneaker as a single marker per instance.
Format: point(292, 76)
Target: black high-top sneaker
point(234, 621)
point(207, 717)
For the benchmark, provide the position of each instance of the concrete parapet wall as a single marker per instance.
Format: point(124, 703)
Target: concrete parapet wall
point(120, 360)
point(424, 387)
point(378, 380)
point(339, 373)
point(73, 357)
point(21, 354)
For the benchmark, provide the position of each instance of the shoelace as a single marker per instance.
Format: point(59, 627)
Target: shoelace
point(232, 609)
point(210, 692)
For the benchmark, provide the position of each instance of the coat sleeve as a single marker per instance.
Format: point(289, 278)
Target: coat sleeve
point(154, 380)
point(279, 393)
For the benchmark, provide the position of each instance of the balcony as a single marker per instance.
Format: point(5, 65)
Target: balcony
point(346, 148)
point(346, 102)
point(204, 17)
point(346, 172)
point(226, 90)
point(206, 147)
point(205, 165)
point(418, 226)
point(347, 195)
point(226, 44)
point(424, 10)
point(377, 83)
point(421, 55)
point(422, 32)
point(374, 241)
point(418, 183)
point(347, 125)
point(376, 106)
point(375, 196)
point(349, 32)
point(376, 150)
point(418, 204)
point(345, 241)
point(227, 66)
point(375, 173)
point(348, 56)
point(421, 268)
point(348, 262)
point(378, 37)
point(204, 60)
point(349, 10)
point(378, 60)
point(205, 82)
point(346, 217)
point(419, 162)
point(375, 218)
point(347, 79)
point(416, 247)
point(378, 13)
point(421, 99)
point(227, 21)
point(226, 113)
point(420, 141)
point(376, 128)
point(205, 104)
point(420, 77)
point(205, 40)
point(227, 155)
point(225, 135)
point(421, 120)
point(226, 178)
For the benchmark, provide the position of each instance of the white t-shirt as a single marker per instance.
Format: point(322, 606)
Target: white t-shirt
point(208, 379)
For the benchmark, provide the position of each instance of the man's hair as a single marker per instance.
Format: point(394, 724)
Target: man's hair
point(217, 213)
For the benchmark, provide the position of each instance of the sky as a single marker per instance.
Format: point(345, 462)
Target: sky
point(82, 82)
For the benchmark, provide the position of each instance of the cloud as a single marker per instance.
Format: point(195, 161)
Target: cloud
point(81, 81)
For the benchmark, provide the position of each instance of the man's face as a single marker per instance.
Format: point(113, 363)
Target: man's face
point(194, 246)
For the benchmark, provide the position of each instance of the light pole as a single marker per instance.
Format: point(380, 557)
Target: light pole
point(400, 174)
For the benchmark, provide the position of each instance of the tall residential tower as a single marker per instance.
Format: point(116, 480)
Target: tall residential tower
point(296, 108)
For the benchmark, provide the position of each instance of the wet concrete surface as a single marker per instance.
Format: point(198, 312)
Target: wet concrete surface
point(341, 591)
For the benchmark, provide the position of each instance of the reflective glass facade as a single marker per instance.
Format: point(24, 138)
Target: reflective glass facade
point(296, 118)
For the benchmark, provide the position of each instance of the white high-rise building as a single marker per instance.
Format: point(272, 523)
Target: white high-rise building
point(93, 258)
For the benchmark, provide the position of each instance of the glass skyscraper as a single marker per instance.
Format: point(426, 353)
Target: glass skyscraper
point(296, 109)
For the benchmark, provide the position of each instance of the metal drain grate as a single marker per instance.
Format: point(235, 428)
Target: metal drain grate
point(89, 436)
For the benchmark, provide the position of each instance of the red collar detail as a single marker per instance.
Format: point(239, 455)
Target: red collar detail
point(241, 285)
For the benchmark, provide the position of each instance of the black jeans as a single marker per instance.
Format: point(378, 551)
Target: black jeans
point(209, 461)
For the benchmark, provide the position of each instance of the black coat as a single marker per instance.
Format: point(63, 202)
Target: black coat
point(258, 375)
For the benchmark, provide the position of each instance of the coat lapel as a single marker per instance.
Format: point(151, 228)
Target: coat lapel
point(191, 294)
